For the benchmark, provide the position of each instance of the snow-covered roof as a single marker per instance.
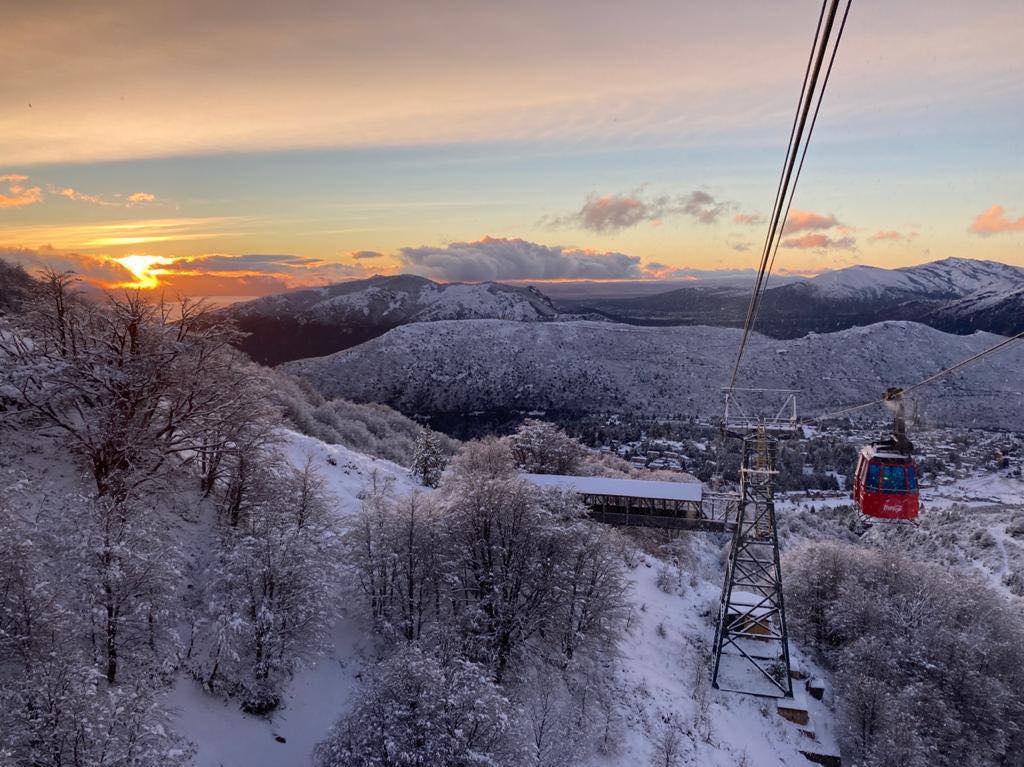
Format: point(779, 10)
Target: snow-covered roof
point(635, 488)
point(873, 451)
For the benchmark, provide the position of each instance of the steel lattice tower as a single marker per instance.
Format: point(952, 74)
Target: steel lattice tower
point(751, 641)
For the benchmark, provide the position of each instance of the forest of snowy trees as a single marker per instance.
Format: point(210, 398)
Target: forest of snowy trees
point(170, 424)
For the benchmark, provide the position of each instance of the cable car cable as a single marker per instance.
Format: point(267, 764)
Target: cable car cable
point(818, 50)
point(803, 156)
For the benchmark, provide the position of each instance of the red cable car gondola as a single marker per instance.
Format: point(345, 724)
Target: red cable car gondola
point(885, 480)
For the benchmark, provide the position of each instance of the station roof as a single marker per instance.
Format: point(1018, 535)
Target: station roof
point(632, 488)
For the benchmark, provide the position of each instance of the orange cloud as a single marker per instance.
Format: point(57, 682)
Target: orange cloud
point(96, 270)
point(212, 274)
point(994, 221)
point(136, 198)
point(17, 194)
point(887, 234)
point(806, 220)
point(819, 242)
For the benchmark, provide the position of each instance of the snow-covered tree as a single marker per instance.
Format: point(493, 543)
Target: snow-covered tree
point(416, 711)
point(392, 551)
point(56, 705)
point(126, 567)
point(542, 448)
point(490, 560)
point(130, 384)
point(429, 460)
point(268, 587)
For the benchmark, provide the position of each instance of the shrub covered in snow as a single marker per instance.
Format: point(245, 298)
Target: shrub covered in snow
point(369, 428)
point(416, 710)
point(542, 448)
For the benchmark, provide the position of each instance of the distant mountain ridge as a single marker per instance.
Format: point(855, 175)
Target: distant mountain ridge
point(319, 321)
point(590, 367)
point(955, 294)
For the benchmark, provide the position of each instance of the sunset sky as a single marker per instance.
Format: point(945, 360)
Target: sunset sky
point(239, 148)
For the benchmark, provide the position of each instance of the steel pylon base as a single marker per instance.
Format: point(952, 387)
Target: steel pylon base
point(751, 651)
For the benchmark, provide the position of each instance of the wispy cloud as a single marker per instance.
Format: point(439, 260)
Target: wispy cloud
point(74, 194)
point(891, 235)
point(994, 221)
point(821, 232)
point(20, 194)
point(363, 255)
point(114, 234)
point(615, 212)
point(119, 200)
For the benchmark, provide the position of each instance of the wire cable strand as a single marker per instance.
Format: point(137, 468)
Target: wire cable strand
point(818, 50)
point(803, 156)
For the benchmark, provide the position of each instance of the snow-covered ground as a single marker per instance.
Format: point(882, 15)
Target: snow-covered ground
point(975, 523)
point(668, 642)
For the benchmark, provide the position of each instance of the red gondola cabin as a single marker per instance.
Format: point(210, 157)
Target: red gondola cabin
point(885, 484)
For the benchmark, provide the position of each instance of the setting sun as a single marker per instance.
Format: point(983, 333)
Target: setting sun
point(140, 267)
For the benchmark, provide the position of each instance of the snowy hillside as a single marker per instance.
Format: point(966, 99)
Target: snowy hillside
point(323, 320)
point(454, 367)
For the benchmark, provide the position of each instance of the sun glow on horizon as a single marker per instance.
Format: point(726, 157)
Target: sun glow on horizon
point(141, 268)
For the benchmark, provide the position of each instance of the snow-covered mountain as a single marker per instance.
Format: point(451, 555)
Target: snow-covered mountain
point(955, 294)
point(590, 367)
point(323, 320)
point(948, 278)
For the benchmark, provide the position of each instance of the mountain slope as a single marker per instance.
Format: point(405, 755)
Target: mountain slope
point(318, 321)
point(589, 367)
point(999, 311)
